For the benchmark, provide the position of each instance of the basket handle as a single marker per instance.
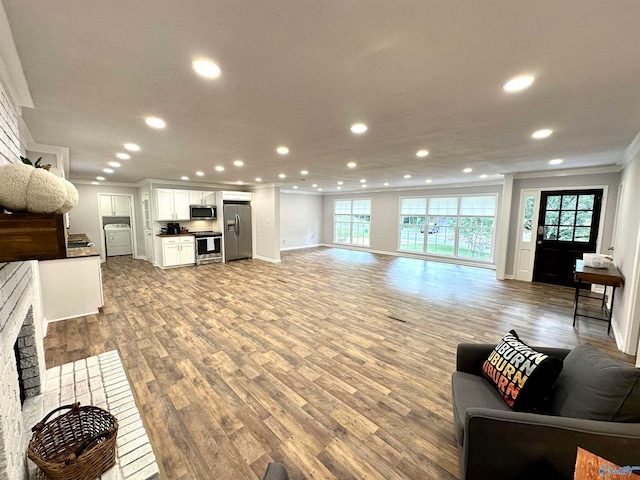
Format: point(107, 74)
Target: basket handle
point(73, 456)
point(40, 425)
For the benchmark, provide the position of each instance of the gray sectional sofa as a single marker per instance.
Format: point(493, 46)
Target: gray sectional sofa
point(595, 405)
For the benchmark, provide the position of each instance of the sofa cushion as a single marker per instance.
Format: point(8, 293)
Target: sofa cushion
point(523, 376)
point(470, 391)
point(595, 387)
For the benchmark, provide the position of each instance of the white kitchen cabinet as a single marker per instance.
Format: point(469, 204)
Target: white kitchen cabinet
point(172, 204)
point(114, 206)
point(71, 287)
point(197, 197)
point(178, 250)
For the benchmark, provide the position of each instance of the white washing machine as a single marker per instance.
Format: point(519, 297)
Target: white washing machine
point(118, 239)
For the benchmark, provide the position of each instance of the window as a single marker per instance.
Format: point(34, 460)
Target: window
point(457, 226)
point(568, 217)
point(351, 222)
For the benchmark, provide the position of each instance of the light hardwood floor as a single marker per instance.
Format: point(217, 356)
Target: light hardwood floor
point(335, 362)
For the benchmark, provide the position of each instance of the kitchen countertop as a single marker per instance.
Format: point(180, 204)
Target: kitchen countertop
point(81, 251)
point(174, 234)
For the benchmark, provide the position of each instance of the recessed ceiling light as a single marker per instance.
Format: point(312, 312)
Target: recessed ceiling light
point(544, 133)
point(364, 186)
point(239, 182)
point(519, 83)
point(200, 174)
point(358, 128)
point(100, 178)
point(468, 170)
point(556, 161)
point(428, 180)
point(155, 122)
point(219, 168)
point(352, 164)
point(123, 156)
point(314, 185)
point(282, 175)
point(258, 179)
point(184, 178)
point(484, 175)
point(132, 147)
point(407, 176)
point(386, 184)
point(114, 164)
point(206, 68)
point(363, 180)
point(338, 188)
point(107, 170)
point(304, 172)
point(238, 163)
point(295, 187)
point(95, 183)
point(319, 189)
point(282, 150)
point(340, 182)
point(422, 153)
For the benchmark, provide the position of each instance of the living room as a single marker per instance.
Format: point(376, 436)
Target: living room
point(292, 356)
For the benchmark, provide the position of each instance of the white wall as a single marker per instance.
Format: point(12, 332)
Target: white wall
point(266, 209)
point(611, 180)
point(300, 220)
point(626, 315)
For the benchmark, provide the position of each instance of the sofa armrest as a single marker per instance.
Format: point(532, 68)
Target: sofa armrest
point(517, 445)
point(470, 356)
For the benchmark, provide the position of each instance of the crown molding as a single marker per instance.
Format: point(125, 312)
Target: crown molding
point(569, 172)
point(630, 152)
point(11, 73)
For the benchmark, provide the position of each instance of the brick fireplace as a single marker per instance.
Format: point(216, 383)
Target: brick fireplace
point(21, 362)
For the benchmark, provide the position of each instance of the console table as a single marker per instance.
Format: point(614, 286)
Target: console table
point(608, 277)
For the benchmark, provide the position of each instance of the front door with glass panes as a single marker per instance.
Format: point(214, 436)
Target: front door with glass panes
point(567, 228)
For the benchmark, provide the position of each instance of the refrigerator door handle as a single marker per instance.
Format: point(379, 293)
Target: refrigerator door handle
point(237, 224)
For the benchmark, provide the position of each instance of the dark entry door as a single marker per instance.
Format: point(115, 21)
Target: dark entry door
point(567, 228)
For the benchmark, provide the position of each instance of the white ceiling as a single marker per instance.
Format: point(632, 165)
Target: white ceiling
point(420, 74)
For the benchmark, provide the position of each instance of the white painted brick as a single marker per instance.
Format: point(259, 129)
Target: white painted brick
point(139, 464)
point(135, 454)
point(150, 472)
point(124, 431)
point(67, 368)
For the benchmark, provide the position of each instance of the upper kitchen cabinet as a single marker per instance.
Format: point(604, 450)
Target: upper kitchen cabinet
point(202, 198)
point(173, 204)
point(114, 206)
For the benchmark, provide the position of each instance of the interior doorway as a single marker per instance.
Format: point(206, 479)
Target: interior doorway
point(568, 225)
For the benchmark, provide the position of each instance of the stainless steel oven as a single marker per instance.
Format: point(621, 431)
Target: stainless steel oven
point(208, 247)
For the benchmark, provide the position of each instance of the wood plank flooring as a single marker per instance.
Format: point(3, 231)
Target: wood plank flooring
point(335, 362)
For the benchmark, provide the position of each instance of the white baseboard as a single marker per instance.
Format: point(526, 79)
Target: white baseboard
point(283, 249)
point(270, 260)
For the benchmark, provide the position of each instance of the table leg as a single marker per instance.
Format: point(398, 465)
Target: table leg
point(575, 302)
point(613, 297)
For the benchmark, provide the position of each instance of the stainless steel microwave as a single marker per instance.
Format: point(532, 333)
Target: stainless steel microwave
point(203, 212)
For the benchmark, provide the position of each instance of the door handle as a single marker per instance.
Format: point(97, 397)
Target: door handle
point(539, 242)
point(237, 224)
point(540, 230)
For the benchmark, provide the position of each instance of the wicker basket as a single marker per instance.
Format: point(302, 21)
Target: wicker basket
point(78, 445)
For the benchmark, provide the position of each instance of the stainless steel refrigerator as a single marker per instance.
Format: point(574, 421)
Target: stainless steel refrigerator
point(237, 231)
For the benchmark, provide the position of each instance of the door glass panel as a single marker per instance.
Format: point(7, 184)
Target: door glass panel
point(585, 202)
point(583, 219)
point(553, 202)
point(551, 218)
point(566, 234)
point(550, 233)
point(582, 234)
point(569, 202)
point(528, 218)
point(567, 218)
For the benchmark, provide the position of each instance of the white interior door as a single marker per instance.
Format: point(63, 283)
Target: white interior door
point(527, 226)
